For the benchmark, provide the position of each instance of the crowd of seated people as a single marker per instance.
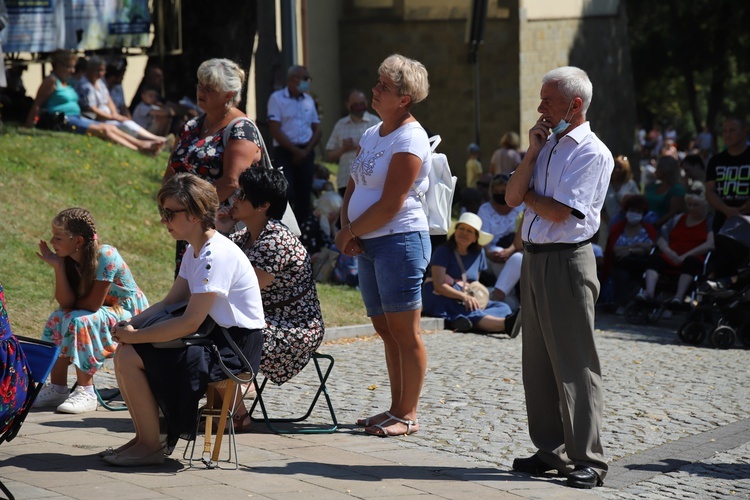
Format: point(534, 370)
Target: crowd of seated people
point(57, 107)
point(667, 233)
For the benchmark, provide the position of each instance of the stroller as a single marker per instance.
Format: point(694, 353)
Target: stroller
point(723, 314)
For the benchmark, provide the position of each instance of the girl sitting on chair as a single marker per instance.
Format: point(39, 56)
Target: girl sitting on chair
point(218, 281)
point(95, 290)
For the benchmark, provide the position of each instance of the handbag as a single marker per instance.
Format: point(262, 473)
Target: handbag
point(55, 121)
point(288, 219)
point(475, 288)
point(202, 336)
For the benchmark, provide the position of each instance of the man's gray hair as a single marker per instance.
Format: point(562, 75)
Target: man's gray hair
point(292, 71)
point(572, 82)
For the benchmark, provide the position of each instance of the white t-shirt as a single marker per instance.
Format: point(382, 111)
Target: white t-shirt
point(496, 224)
point(370, 168)
point(223, 269)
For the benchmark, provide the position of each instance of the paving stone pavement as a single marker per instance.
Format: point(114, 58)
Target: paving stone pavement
point(676, 425)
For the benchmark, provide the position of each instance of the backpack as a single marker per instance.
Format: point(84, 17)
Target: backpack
point(438, 200)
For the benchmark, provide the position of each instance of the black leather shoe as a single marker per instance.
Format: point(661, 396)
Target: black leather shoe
point(532, 465)
point(584, 477)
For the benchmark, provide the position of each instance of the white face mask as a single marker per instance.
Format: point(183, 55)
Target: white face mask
point(563, 125)
point(634, 217)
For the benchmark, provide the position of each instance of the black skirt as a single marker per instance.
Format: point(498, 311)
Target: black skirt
point(179, 377)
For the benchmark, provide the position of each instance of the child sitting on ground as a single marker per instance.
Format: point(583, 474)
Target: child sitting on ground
point(149, 114)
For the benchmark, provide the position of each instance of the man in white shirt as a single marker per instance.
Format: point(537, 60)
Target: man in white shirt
point(563, 181)
point(344, 141)
point(295, 127)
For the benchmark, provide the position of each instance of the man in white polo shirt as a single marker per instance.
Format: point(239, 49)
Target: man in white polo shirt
point(295, 127)
point(563, 180)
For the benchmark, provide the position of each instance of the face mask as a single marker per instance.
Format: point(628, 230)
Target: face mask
point(304, 85)
point(358, 110)
point(634, 217)
point(563, 125)
point(499, 198)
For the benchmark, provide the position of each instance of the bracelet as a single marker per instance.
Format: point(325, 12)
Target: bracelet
point(349, 227)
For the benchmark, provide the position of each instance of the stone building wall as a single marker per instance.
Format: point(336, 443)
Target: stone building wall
point(518, 49)
point(597, 44)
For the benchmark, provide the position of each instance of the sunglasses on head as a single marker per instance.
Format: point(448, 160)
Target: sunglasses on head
point(168, 213)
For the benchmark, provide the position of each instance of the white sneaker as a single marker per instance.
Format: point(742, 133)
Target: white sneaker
point(48, 397)
point(79, 401)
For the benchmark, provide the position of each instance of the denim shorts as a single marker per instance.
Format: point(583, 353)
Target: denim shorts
point(391, 270)
point(79, 124)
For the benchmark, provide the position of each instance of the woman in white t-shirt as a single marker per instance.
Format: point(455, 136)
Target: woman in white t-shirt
point(219, 281)
point(384, 224)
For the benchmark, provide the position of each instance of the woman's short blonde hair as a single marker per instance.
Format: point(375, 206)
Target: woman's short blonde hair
point(197, 195)
point(409, 76)
point(223, 75)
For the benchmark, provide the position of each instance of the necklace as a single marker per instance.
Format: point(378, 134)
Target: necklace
point(210, 130)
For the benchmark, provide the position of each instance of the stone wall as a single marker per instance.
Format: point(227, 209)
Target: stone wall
point(599, 45)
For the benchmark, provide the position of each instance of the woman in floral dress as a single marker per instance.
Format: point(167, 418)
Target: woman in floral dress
point(88, 277)
point(294, 322)
point(201, 149)
point(14, 372)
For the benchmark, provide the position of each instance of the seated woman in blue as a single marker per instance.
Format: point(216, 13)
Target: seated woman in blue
point(444, 295)
point(56, 95)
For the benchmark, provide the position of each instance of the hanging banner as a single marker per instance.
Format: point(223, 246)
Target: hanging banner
point(47, 25)
point(34, 26)
point(101, 24)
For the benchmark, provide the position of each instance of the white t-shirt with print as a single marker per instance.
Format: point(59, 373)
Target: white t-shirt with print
point(370, 168)
point(223, 269)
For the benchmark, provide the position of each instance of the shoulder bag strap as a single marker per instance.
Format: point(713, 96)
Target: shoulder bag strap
point(239, 354)
point(463, 270)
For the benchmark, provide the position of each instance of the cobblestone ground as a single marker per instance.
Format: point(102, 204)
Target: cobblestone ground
point(661, 397)
point(658, 390)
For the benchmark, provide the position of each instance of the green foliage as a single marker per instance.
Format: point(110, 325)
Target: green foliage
point(690, 60)
point(45, 172)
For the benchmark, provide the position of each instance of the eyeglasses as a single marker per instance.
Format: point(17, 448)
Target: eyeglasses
point(240, 195)
point(168, 214)
point(305, 78)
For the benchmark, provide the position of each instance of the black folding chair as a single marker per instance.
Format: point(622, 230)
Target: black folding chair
point(41, 357)
point(322, 389)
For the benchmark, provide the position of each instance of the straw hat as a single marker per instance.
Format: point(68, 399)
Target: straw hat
point(474, 221)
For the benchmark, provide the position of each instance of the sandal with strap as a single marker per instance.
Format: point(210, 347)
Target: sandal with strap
point(365, 422)
point(384, 432)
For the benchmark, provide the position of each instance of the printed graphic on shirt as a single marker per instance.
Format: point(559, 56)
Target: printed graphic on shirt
point(733, 182)
point(363, 165)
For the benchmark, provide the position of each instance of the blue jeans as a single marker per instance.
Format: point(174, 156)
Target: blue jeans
point(391, 271)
